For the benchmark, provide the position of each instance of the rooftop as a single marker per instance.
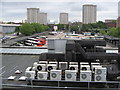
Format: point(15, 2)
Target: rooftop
point(10, 25)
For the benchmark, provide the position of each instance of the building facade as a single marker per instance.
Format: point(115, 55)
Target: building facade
point(63, 18)
point(119, 9)
point(32, 15)
point(110, 23)
point(8, 28)
point(118, 19)
point(42, 18)
point(89, 14)
point(118, 22)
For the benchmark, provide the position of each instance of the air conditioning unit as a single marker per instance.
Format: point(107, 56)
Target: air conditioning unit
point(73, 67)
point(100, 74)
point(35, 64)
point(95, 63)
point(100, 78)
point(70, 75)
point(43, 62)
point(51, 62)
point(41, 67)
point(84, 63)
point(51, 67)
point(34, 69)
point(93, 67)
point(55, 74)
point(63, 65)
point(73, 63)
point(42, 75)
point(84, 67)
point(30, 74)
point(85, 75)
point(28, 68)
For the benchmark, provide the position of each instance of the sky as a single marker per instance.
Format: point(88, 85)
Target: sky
point(16, 10)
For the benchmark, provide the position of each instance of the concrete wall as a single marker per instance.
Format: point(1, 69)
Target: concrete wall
point(56, 45)
point(7, 29)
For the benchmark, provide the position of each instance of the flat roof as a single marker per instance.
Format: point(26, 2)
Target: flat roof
point(10, 25)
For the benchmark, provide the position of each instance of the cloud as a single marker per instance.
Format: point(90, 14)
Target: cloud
point(59, 0)
point(16, 11)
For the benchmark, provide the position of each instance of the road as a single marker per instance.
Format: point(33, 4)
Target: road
point(12, 41)
point(60, 35)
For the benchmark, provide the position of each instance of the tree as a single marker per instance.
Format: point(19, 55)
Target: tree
point(113, 32)
point(61, 26)
point(74, 28)
point(102, 32)
point(17, 29)
point(9, 22)
point(101, 25)
point(37, 27)
point(85, 28)
point(45, 27)
point(27, 29)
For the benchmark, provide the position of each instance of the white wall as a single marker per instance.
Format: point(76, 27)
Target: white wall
point(7, 29)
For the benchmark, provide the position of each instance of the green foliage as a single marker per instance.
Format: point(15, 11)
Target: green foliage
point(115, 32)
point(45, 27)
point(60, 26)
point(74, 28)
point(102, 32)
point(93, 26)
point(37, 27)
point(17, 29)
point(27, 29)
point(85, 27)
point(9, 22)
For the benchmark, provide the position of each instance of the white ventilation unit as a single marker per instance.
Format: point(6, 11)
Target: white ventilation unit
point(34, 69)
point(28, 68)
point(73, 67)
point(73, 63)
point(84, 67)
point(53, 62)
point(30, 74)
point(85, 75)
point(93, 67)
point(41, 67)
point(51, 67)
point(35, 64)
point(43, 62)
point(55, 74)
point(63, 65)
point(42, 75)
point(100, 74)
point(84, 63)
point(70, 75)
point(95, 63)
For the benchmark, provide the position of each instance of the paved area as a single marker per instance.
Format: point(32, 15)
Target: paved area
point(11, 63)
point(60, 35)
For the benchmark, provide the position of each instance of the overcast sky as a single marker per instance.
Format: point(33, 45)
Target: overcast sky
point(15, 10)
